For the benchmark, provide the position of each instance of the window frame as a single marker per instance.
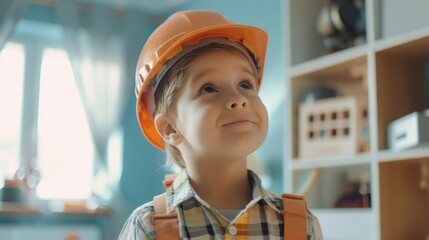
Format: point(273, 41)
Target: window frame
point(34, 40)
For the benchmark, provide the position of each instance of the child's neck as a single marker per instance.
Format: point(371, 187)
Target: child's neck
point(223, 187)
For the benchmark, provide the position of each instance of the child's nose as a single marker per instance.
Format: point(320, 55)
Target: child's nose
point(236, 102)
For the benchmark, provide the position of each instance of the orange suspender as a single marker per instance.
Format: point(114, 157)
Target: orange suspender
point(295, 217)
point(166, 224)
point(294, 207)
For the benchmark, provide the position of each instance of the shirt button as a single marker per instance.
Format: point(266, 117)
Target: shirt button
point(232, 230)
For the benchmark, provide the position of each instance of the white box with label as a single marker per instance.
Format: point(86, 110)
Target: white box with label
point(409, 131)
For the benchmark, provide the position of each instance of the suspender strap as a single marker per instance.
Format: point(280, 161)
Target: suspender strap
point(166, 224)
point(168, 180)
point(295, 217)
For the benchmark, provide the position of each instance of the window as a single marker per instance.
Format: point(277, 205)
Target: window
point(11, 92)
point(42, 119)
point(65, 148)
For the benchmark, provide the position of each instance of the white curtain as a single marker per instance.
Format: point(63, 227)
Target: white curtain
point(10, 13)
point(102, 44)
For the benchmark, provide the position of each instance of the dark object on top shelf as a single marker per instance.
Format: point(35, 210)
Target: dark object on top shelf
point(342, 24)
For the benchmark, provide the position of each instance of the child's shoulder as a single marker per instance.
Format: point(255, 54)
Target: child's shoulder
point(139, 224)
point(143, 213)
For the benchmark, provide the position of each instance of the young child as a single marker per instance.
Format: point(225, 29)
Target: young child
point(197, 84)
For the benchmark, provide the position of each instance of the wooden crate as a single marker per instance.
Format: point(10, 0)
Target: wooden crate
point(333, 127)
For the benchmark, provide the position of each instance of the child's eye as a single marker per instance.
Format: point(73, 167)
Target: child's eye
point(208, 88)
point(246, 84)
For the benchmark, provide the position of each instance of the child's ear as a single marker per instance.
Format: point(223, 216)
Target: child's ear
point(166, 130)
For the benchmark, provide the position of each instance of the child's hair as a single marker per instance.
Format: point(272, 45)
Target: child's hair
point(166, 92)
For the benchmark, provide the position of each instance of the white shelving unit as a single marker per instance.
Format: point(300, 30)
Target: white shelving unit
point(394, 59)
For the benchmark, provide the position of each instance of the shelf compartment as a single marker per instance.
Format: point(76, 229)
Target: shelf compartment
point(347, 78)
point(327, 187)
point(391, 15)
point(401, 82)
point(350, 224)
point(404, 206)
point(306, 42)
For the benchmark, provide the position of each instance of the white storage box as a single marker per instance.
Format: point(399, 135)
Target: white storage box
point(409, 131)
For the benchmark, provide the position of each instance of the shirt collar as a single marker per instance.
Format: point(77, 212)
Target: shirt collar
point(259, 192)
point(181, 190)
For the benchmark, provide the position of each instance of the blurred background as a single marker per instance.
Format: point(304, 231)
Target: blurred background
point(71, 151)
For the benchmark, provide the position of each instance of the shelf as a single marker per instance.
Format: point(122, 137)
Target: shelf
point(344, 57)
point(403, 155)
point(416, 37)
point(12, 209)
point(383, 156)
point(404, 205)
point(391, 72)
point(17, 209)
point(335, 161)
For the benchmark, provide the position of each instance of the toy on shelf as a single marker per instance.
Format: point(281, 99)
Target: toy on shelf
point(356, 195)
point(409, 131)
point(333, 127)
point(342, 24)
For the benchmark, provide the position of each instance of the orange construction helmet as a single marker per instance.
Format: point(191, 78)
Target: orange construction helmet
point(179, 34)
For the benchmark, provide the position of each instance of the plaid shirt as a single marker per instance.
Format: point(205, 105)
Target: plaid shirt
point(261, 219)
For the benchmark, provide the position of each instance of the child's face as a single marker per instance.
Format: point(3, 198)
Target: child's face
point(219, 114)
